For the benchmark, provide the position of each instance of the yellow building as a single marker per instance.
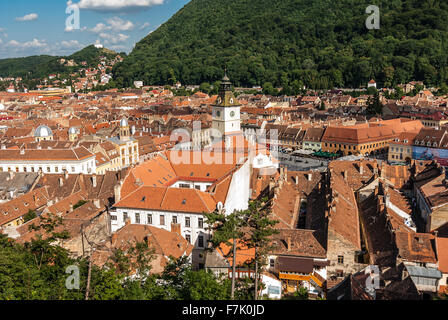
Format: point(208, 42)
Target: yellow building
point(368, 138)
point(126, 146)
point(400, 149)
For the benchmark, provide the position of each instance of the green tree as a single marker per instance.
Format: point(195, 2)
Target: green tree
point(260, 228)
point(30, 215)
point(374, 106)
point(226, 228)
point(205, 87)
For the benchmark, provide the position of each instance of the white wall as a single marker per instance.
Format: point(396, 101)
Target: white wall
point(238, 194)
point(87, 166)
point(194, 231)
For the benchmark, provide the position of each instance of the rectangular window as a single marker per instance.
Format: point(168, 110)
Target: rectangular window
point(200, 223)
point(188, 238)
point(187, 222)
point(272, 263)
point(113, 218)
point(175, 219)
point(149, 218)
point(201, 241)
point(162, 220)
point(125, 216)
point(137, 218)
point(341, 259)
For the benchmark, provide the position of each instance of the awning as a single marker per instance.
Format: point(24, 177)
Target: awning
point(293, 264)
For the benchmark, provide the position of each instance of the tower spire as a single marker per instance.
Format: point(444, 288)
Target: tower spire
point(226, 78)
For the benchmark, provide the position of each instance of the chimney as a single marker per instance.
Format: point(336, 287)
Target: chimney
point(289, 244)
point(271, 185)
point(148, 240)
point(113, 238)
point(175, 227)
point(380, 203)
point(361, 168)
point(22, 151)
point(344, 174)
point(11, 175)
point(94, 180)
point(65, 174)
point(97, 203)
point(310, 176)
point(61, 182)
point(297, 180)
point(285, 172)
point(117, 192)
point(71, 207)
point(336, 197)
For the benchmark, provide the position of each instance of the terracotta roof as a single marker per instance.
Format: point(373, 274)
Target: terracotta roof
point(442, 254)
point(302, 243)
point(243, 256)
point(344, 215)
point(169, 199)
point(80, 153)
point(416, 247)
point(20, 206)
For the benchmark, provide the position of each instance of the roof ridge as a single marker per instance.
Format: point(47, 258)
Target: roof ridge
point(164, 196)
point(200, 193)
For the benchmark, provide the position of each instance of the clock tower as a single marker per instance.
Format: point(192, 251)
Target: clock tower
point(226, 112)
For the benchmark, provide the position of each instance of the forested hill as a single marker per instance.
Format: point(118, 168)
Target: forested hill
point(41, 66)
point(321, 43)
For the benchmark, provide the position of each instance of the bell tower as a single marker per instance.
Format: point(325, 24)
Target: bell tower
point(124, 130)
point(227, 111)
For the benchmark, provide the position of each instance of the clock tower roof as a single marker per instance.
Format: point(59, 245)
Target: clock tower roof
point(226, 98)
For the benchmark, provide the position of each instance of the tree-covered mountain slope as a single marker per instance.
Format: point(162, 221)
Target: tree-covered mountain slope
point(41, 66)
point(318, 43)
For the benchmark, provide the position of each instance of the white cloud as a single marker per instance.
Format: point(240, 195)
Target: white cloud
point(72, 44)
point(100, 27)
point(113, 24)
point(113, 38)
point(28, 17)
point(13, 43)
point(71, 29)
point(145, 25)
point(35, 43)
point(116, 5)
point(118, 24)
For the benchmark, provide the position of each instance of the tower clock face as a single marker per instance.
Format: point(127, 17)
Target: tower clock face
point(232, 114)
point(231, 101)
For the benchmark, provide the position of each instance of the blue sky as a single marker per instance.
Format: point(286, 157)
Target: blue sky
point(30, 27)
